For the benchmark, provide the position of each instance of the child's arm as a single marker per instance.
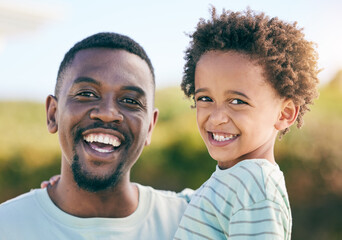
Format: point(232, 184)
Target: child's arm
point(186, 194)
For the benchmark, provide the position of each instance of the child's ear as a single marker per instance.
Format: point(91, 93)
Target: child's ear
point(51, 113)
point(288, 115)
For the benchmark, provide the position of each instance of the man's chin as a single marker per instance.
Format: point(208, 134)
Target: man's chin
point(91, 184)
point(88, 182)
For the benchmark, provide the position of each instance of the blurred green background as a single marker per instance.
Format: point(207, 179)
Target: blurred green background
point(311, 158)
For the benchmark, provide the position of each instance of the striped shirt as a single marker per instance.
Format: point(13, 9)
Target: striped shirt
point(246, 201)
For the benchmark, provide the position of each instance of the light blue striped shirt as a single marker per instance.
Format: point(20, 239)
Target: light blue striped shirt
point(246, 201)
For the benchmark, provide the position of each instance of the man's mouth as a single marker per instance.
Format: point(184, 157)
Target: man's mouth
point(102, 142)
point(219, 137)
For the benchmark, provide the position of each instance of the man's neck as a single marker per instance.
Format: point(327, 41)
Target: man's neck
point(118, 202)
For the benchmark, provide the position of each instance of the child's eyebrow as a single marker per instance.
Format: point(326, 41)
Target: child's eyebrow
point(227, 92)
point(237, 93)
point(200, 90)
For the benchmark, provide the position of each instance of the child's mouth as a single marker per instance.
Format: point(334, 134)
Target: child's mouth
point(223, 137)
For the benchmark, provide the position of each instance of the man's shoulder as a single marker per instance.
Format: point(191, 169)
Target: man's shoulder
point(20, 201)
point(19, 209)
point(161, 208)
point(167, 195)
point(19, 205)
point(159, 201)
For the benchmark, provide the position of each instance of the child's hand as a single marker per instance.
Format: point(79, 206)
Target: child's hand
point(52, 181)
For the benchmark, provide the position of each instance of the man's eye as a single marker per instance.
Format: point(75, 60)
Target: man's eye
point(86, 94)
point(129, 101)
point(238, 101)
point(203, 99)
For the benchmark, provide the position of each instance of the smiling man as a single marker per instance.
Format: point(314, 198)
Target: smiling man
point(103, 111)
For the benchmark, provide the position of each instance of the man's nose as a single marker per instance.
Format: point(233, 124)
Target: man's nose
point(107, 111)
point(219, 115)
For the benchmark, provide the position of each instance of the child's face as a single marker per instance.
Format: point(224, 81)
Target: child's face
point(236, 108)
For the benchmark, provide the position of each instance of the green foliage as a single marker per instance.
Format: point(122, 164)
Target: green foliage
point(311, 161)
point(177, 158)
point(28, 153)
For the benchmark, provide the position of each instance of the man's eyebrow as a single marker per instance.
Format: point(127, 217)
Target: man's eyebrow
point(135, 89)
point(86, 80)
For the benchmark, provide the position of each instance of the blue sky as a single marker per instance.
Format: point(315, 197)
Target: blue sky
point(29, 62)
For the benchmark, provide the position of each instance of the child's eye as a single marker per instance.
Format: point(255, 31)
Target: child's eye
point(237, 102)
point(203, 99)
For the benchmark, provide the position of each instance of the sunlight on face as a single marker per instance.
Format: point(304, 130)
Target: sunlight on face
point(236, 108)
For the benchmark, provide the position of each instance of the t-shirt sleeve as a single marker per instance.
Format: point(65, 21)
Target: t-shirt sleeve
point(263, 220)
point(186, 194)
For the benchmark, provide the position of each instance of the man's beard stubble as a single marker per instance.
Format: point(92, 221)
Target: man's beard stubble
point(85, 179)
point(90, 183)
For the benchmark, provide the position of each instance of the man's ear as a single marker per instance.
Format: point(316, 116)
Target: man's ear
point(151, 127)
point(287, 116)
point(51, 113)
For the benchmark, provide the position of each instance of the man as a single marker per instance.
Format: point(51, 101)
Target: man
point(103, 110)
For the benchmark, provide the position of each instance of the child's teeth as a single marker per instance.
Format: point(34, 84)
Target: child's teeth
point(221, 138)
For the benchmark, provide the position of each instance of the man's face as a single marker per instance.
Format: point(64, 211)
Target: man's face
point(104, 115)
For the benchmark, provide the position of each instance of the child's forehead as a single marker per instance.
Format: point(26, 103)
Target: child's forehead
point(229, 60)
point(222, 55)
point(230, 69)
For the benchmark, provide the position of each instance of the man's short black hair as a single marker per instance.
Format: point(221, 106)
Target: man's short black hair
point(102, 40)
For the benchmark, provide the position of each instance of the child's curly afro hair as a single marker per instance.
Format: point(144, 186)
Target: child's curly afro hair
point(289, 61)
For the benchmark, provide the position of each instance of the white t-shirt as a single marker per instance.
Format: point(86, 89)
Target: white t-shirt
point(34, 216)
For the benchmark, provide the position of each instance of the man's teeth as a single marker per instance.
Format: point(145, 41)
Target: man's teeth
point(102, 150)
point(103, 138)
point(221, 138)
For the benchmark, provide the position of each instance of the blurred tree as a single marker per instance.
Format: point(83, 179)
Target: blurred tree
point(336, 82)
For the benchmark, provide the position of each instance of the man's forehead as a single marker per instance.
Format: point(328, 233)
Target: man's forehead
point(113, 60)
point(115, 64)
point(104, 54)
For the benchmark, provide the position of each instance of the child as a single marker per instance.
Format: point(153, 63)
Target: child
point(251, 78)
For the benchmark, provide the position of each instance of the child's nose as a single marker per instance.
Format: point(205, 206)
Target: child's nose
point(219, 115)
